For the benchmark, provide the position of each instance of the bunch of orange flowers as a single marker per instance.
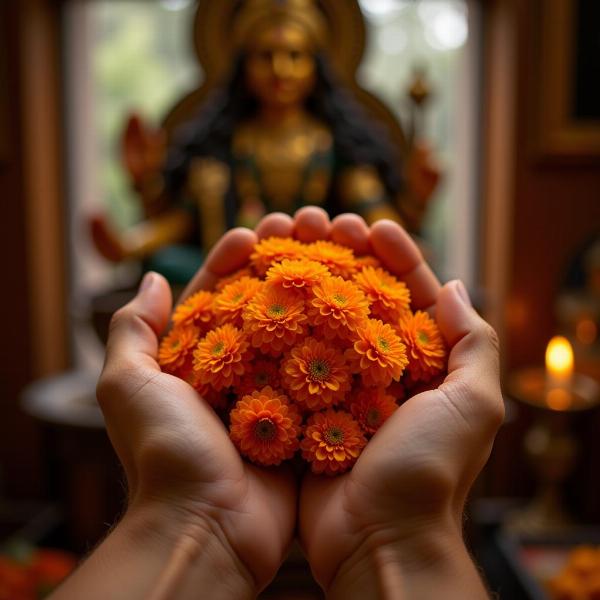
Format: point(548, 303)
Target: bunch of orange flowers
point(308, 348)
point(580, 577)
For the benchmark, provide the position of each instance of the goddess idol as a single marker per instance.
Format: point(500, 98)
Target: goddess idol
point(278, 123)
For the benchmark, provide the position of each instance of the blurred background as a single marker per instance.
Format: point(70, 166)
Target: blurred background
point(492, 110)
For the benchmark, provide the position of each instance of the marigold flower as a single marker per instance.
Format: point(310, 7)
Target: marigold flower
point(339, 306)
point(265, 427)
point(388, 297)
point(426, 349)
point(378, 354)
point(332, 442)
point(272, 250)
point(259, 374)
point(338, 259)
point(230, 302)
point(224, 281)
point(176, 348)
point(196, 310)
point(297, 274)
point(367, 261)
point(222, 356)
point(316, 375)
point(371, 407)
point(273, 319)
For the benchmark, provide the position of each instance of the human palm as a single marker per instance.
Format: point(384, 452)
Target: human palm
point(174, 448)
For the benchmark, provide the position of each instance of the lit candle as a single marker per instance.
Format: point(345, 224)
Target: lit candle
point(559, 371)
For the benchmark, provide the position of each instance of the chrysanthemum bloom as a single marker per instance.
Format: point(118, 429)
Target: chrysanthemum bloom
point(222, 356)
point(338, 259)
point(297, 274)
point(196, 310)
point(332, 442)
point(224, 281)
point(426, 349)
point(274, 319)
point(378, 354)
point(265, 427)
point(273, 250)
point(338, 306)
point(315, 375)
point(388, 297)
point(230, 302)
point(176, 348)
point(259, 374)
point(371, 407)
point(367, 261)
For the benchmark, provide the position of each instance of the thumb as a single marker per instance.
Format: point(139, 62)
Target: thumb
point(473, 382)
point(135, 328)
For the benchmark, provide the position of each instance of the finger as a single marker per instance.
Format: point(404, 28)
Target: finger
point(351, 230)
point(399, 253)
point(473, 382)
point(230, 254)
point(136, 327)
point(311, 224)
point(275, 224)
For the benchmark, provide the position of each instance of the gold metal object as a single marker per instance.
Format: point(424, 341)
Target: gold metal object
point(549, 445)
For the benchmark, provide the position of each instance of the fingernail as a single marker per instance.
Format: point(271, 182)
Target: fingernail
point(462, 292)
point(147, 281)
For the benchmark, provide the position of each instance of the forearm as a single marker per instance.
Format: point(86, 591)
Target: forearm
point(417, 569)
point(154, 554)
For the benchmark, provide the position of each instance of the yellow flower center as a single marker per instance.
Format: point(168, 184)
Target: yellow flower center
point(334, 436)
point(318, 369)
point(218, 347)
point(340, 299)
point(237, 297)
point(383, 344)
point(265, 429)
point(276, 310)
point(175, 344)
point(422, 337)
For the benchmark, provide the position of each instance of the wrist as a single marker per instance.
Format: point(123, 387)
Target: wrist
point(195, 554)
point(426, 562)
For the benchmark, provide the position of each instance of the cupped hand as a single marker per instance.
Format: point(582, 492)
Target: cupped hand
point(174, 449)
point(407, 490)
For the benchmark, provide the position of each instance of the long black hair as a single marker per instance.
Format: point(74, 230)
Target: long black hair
point(358, 138)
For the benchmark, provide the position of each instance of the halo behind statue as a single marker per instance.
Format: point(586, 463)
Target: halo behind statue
point(215, 49)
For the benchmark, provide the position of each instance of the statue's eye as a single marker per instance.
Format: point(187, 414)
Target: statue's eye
point(295, 54)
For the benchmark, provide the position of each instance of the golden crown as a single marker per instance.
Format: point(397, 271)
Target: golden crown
point(254, 13)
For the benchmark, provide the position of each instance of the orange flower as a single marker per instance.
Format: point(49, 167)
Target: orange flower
point(367, 261)
point(425, 346)
point(244, 272)
point(221, 357)
point(259, 374)
point(379, 354)
point(339, 306)
point(371, 407)
point(175, 350)
point(196, 310)
point(338, 259)
point(230, 302)
point(389, 297)
point(316, 375)
point(265, 427)
point(273, 319)
point(297, 274)
point(272, 250)
point(332, 442)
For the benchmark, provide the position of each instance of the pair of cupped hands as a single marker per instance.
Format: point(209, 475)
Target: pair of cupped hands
point(391, 527)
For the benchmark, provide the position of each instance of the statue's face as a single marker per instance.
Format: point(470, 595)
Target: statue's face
point(280, 65)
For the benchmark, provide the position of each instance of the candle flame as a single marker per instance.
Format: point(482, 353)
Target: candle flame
point(559, 357)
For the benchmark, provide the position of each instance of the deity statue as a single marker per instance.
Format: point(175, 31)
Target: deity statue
point(278, 123)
